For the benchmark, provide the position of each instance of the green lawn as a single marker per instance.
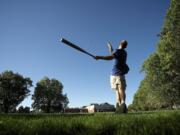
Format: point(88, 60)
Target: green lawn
point(142, 123)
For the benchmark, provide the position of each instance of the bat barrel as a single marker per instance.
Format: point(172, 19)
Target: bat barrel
point(76, 47)
point(66, 41)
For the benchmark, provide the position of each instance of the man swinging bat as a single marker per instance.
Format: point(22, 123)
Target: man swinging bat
point(120, 68)
point(117, 78)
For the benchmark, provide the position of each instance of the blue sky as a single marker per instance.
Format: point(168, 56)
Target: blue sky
point(30, 31)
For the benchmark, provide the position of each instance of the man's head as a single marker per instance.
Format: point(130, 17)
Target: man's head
point(123, 44)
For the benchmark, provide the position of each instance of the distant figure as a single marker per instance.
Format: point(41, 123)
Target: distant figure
point(117, 78)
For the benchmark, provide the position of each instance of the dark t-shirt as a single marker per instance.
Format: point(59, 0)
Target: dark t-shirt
point(120, 56)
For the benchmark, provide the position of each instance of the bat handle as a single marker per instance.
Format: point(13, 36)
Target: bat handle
point(90, 55)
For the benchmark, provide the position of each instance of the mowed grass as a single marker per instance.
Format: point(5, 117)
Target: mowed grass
point(142, 123)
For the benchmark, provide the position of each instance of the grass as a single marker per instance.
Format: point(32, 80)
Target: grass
point(142, 123)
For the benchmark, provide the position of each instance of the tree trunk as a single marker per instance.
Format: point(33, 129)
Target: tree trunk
point(49, 107)
point(6, 106)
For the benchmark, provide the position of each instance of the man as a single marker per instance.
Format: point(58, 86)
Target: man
point(117, 78)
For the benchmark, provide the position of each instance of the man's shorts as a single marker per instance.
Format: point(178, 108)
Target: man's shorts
point(118, 80)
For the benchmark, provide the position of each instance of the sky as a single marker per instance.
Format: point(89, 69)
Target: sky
point(30, 32)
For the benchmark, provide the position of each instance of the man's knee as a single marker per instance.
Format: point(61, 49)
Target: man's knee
point(121, 88)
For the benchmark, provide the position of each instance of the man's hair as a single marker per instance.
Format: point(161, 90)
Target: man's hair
point(124, 44)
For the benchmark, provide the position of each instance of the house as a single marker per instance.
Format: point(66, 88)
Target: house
point(75, 110)
point(92, 108)
point(104, 107)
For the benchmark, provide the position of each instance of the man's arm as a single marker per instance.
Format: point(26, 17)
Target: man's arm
point(110, 57)
point(104, 57)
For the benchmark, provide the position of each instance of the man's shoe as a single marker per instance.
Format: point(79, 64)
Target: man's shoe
point(124, 108)
point(118, 108)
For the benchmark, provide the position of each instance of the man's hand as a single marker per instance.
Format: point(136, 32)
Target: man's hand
point(97, 57)
point(110, 48)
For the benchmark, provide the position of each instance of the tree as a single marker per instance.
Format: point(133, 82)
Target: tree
point(169, 53)
point(22, 109)
point(161, 85)
point(14, 88)
point(48, 96)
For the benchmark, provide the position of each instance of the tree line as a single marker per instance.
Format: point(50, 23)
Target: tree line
point(47, 97)
point(161, 85)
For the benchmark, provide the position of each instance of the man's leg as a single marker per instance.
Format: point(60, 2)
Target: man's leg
point(123, 98)
point(118, 97)
point(122, 94)
point(114, 86)
point(119, 85)
point(118, 100)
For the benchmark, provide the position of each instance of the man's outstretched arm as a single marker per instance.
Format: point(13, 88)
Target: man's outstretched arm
point(104, 57)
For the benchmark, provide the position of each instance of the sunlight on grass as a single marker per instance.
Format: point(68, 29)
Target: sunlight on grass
point(143, 123)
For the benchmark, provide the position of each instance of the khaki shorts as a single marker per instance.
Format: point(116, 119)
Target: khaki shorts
point(118, 80)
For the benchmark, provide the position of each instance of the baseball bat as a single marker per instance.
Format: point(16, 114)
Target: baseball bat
point(75, 47)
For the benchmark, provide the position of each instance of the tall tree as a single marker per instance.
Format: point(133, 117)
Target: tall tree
point(48, 96)
point(13, 89)
point(169, 53)
point(162, 68)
